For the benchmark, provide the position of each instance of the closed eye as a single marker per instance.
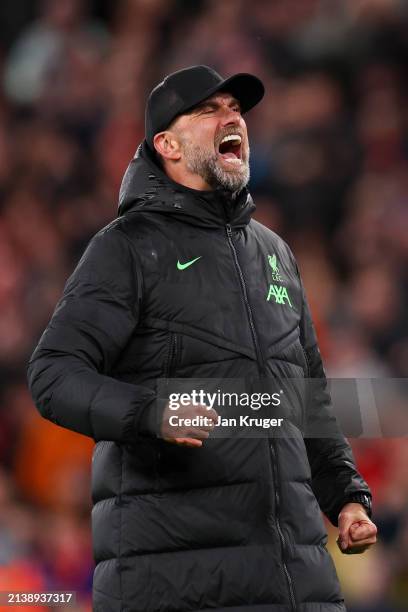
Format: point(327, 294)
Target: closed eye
point(206, 109)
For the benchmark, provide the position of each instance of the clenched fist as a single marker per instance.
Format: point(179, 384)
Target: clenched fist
point(356, 531)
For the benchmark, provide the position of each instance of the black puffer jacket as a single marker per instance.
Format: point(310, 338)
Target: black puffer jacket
point(234, 525)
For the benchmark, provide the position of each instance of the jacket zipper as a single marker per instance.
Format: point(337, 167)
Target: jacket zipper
point(261, 368)
point(258, 352)
point(279, 528)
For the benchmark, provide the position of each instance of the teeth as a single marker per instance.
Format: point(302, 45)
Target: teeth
point(231, 137)
point(233, 160)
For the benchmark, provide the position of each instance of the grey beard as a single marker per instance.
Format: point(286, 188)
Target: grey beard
point(206, 165)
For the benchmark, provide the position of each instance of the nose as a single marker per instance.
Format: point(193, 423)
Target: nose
point(230, 116)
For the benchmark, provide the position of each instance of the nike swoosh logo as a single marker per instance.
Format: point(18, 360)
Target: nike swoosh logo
point(183, 266)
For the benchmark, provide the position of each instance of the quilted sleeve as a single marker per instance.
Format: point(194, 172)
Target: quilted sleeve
point(68, 373)
point(334, 474)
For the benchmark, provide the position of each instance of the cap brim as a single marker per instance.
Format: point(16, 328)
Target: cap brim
point(246, 88)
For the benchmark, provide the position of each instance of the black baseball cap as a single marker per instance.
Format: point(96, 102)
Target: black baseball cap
point(184, 89)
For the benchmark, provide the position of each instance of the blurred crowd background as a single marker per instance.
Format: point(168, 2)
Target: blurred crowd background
point(329, 151)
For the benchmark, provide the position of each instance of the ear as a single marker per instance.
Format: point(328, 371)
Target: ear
point(167, 145)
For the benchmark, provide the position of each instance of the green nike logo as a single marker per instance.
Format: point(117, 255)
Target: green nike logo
point(183, 266)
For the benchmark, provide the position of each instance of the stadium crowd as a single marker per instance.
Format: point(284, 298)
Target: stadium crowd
point(329, 160)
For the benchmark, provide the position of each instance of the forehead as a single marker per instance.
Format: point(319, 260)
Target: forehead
point(220, 97)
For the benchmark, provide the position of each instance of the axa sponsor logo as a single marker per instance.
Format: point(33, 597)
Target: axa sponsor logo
point(279, 293)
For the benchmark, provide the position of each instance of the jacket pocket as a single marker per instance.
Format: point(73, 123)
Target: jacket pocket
point(172, 355)
point(306, 366)
point(307, 390)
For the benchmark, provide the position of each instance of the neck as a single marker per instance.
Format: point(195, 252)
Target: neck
point(184, 177)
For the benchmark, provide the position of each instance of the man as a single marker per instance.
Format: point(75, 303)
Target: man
point(184, 284)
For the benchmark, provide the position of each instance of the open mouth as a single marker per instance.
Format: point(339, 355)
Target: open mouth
point(230, 149)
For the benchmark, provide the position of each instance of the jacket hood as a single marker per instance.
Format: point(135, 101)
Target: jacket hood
point(146, 188)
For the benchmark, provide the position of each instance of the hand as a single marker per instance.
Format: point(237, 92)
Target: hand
point(356, 531)
point(184, 433)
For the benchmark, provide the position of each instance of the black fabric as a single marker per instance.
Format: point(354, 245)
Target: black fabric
point(236, 524)
point(184, 89)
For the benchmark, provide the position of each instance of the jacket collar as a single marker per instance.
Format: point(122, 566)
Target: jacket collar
point(146, 188)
